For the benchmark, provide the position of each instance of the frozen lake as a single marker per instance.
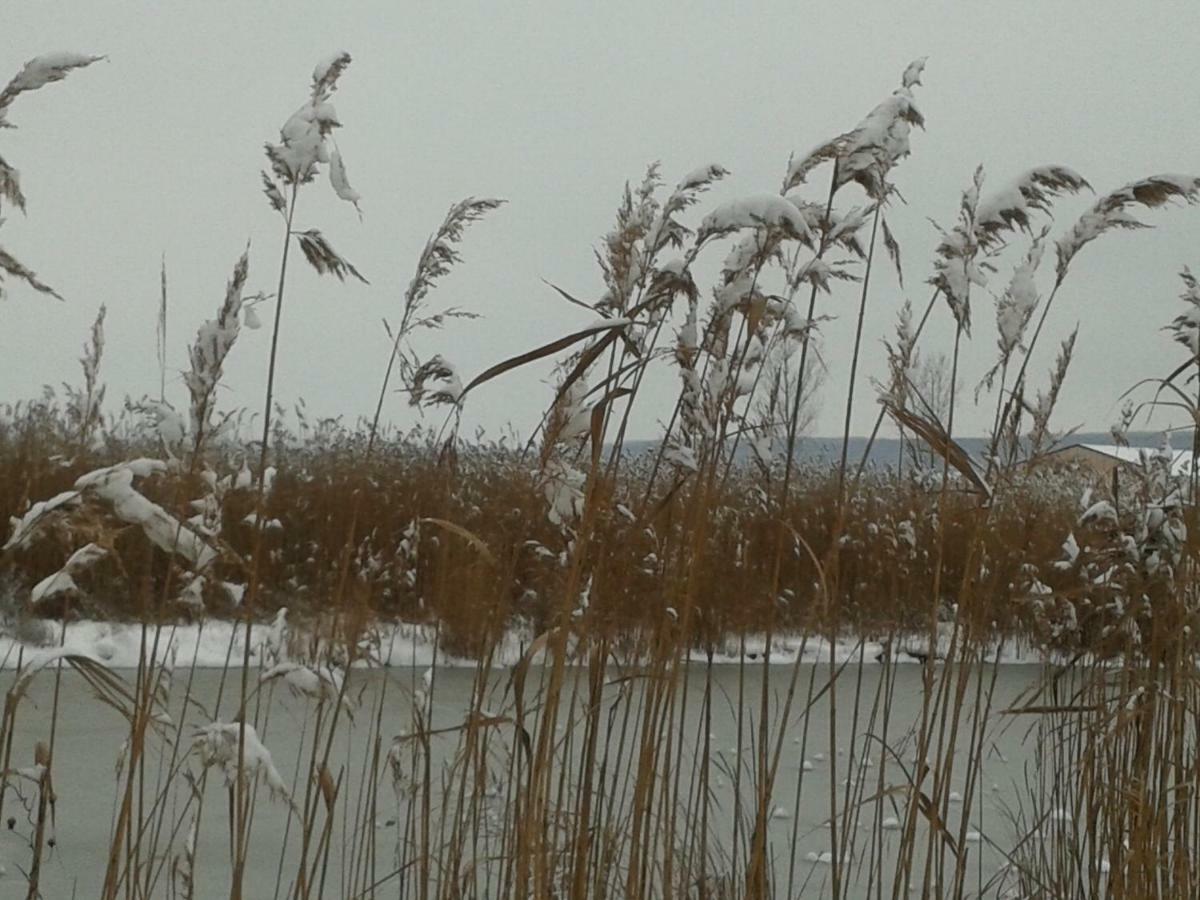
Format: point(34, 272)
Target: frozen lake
point(91, 734)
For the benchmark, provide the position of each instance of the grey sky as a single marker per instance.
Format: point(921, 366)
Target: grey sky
point(553, 106)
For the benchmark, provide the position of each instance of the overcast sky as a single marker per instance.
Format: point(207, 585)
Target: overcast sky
point(553, 106)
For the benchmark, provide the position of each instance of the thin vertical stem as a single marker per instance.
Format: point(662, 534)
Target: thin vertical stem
point(862, 309)
point(241, 806)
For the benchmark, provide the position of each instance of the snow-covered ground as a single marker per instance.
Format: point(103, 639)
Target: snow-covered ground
point(216, 643)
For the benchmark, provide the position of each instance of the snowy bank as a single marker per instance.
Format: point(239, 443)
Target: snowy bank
point(216, 643)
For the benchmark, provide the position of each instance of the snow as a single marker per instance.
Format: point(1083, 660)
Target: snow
point(881, 139)
point(49, 67)
point(1181, 460)
point(1109, 212)
point(701, 177)
point(755, 211)
point(193, 593)
point(62, 581)
point(304, 137)
point(404, 645)
point(114, 485)
point(1032, 190)
point(251, 519)
point(168, 423)
point(563, 490)
point(1101, 513)
point(327, 71)
point(958, 273)
point(217, 745)
point(905, 649)
point(302, 143)
point(1015, 307)
point(912, 74)
point(817, 272)
point(142, 467)
point(684, 457)
point(337, 177)
point(25, 527)
point(847, 224)
point(245, 478)
point(676, 266)
point(214, 339)
point(318, 683)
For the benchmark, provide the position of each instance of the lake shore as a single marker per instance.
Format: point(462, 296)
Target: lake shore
point(217, 643)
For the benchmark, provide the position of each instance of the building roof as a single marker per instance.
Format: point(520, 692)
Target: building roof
point(1182, 461)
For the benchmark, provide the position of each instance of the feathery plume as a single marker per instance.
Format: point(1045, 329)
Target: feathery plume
point(14, 269)
point(86, 403)
point(867, 154)
point(304, 139)
point(217, 744)
point(1185, 328)
point(441, 251)
point(36, 73)
point(1111, 211)
point(322, 257)
point(1010, 209)
point(957, 266)
point(666, 229)
point(902, 358)
point(436, 370)
point(214, 340)
point(1042, 409)
point(757, 211)
point(1015, 307)
point(39, 72)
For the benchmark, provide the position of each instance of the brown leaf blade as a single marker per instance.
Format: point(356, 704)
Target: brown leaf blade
point(545, 350)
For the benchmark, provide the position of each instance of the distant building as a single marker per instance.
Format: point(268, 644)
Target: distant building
point(1105, 459)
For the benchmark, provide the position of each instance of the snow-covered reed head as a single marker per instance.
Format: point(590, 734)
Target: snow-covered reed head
point(757, 211)
point(435, 382)
point(305, 140)
point(957, 265)
point(985, 223)
point(38, 72)
point(1010, 209)
point(1112, 211)
point(217, 745)
point(305, 144)
point(867, 154)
